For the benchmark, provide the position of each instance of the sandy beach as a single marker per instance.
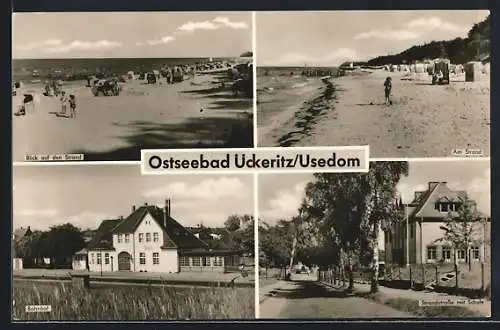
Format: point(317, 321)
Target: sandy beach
point(193, 113)
point(424, 120)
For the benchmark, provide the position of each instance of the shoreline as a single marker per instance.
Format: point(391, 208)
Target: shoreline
point(306, 118)
point(300, 119)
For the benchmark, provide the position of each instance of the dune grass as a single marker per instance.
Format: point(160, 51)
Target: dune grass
point(130, 302)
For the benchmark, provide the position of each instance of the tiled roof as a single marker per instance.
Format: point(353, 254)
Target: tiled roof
point(176, 235)
point(103, 237)
point(424, 205)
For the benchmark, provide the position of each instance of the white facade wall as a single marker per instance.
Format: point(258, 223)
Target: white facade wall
point(140, 244)
point(17, 263)
point(104, 260)
point(79, 265)
point(430, 233)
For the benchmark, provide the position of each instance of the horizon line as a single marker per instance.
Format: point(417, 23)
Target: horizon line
point(129, 58)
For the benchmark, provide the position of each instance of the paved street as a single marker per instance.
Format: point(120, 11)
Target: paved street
point(308, 299)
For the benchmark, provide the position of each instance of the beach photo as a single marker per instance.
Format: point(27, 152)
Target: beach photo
point(407, 83)
point(405, 240)
point(103, 243)
point(107, 84)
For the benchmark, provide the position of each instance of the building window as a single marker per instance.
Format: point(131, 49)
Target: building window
point(443, 207)
point(431, 253)
point(218, 261)
point(197, 261)
point(184, 261)
point(148, 237)
point(127, 238)
point(92, 258)
point(142, 258)
point(475, 253)
point(155, 237)
point(156, 258)
point(141, 237)
point(461, 254)
point(206, 261)
point(230, 261)
point(446, 253)
point(99, 258)
point(106, 258)
point(120, 238)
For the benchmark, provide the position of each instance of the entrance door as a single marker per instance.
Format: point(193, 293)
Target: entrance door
point(124, 261)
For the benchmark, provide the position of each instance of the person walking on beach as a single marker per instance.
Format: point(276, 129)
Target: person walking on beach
point(72, 105)
point(388, 88)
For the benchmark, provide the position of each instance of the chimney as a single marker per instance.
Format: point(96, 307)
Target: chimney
point(133, 208)
point(121, 217)
point(167, 206)
point(165, 213)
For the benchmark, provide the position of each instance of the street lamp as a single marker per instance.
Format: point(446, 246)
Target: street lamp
point(407, 237)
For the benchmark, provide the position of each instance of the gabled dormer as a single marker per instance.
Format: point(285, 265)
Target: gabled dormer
point(445, 204)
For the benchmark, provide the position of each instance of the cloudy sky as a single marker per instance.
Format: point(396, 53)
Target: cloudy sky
point(330, 38)
point(129, 34)
point(85, 195)
point(280, 195)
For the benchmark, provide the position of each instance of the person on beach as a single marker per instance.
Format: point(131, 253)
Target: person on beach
point(72, 105)
point(388, 88)
point(64, 101)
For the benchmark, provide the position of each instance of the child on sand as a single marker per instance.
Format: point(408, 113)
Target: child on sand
point(72, 105)
point(388, 88)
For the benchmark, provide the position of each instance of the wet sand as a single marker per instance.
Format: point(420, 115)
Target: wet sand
point(423, 121)
point(277, 104)
point(197, 113)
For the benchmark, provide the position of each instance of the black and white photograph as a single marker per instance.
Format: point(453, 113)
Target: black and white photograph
point(103, 242)
point(107, 84)
point(408, 83)
point(407, 239)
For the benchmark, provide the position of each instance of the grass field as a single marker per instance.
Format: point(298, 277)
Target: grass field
point(132, 302)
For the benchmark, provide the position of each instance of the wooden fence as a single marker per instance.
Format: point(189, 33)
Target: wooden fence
point(269, 273)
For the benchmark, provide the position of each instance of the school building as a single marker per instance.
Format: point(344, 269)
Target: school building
point(426, 214)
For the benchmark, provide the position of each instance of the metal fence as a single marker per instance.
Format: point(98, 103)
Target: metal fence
point(470, 280)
